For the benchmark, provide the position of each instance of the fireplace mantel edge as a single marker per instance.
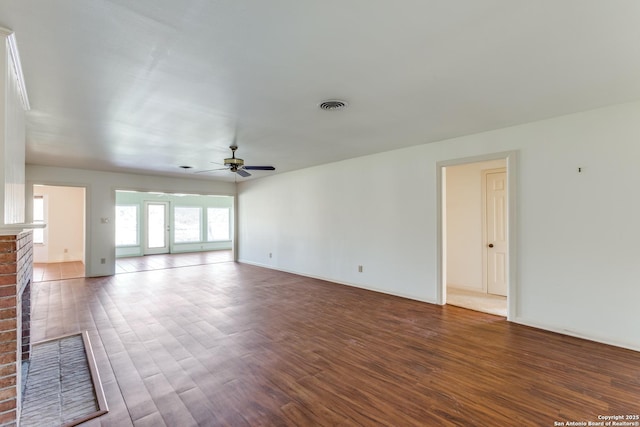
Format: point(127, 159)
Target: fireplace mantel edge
point(10, 229)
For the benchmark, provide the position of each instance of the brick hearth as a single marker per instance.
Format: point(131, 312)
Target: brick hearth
point(16, 273)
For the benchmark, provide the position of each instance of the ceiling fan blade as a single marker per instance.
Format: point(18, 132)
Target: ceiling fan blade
point(212, 170)
point(260, 168)
point(243, 173)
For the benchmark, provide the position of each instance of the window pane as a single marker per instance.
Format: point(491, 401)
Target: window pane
point(187, 225)
point(38, 235)
point(126, 225)
point(217, 224)
point(38, 216)
point(38, 209)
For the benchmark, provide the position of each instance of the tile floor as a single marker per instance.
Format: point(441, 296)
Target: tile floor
point(43, 272)
point(486, 303)
point(164, 261)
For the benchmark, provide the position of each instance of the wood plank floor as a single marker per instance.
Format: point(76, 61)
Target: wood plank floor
point(236, 345)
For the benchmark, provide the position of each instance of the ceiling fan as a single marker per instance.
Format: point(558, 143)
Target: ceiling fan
point(237, 165)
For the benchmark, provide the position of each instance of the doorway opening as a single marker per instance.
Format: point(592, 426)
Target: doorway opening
point(476, 208)
point(164, 230)
point(59, 249)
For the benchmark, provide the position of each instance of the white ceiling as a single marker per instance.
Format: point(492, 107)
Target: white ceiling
point(148, 85)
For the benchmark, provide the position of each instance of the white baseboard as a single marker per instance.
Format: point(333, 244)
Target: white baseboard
point(328, 279)
point(517, 319)
point(576, 334)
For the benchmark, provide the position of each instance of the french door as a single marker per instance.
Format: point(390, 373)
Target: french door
point(156, 239)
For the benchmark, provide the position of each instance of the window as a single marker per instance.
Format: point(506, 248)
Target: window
point(187, 224)
point(218, 224)
point(126, 225)
point(38, 218)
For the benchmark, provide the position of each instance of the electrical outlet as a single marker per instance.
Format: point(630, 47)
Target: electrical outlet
point(270, 255)
point(66, 250)
point(359, 269)
point(103, 260)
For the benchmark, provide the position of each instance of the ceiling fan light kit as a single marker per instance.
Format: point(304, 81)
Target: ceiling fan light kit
point(236, 165)
point(232, 161)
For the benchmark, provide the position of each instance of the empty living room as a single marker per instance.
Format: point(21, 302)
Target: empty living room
point(278, 212)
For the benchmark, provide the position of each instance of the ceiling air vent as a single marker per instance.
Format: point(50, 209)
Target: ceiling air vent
point(333, 104)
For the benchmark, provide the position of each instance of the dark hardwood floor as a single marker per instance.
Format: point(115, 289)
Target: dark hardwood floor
point(237, 345)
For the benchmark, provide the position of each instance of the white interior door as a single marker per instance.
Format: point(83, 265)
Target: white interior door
point(157, 228)
point(496, 245)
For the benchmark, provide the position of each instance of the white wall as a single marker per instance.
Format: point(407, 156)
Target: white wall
point(100, 194)
point(65, 219)
point(464, 223)
point(578, 233)
point(12, 138)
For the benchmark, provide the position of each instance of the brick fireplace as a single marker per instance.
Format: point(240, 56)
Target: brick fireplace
point(16, 274)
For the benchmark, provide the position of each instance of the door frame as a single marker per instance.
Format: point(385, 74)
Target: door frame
point(145, 235)
point(511, 158)
point(88, 264)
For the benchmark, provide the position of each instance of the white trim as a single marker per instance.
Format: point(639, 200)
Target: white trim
point(12, 46)
point(516, 319)
point(511, 157)
point(29, 193)
point(575, 334)
point(338, 282)
point(11, 229)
